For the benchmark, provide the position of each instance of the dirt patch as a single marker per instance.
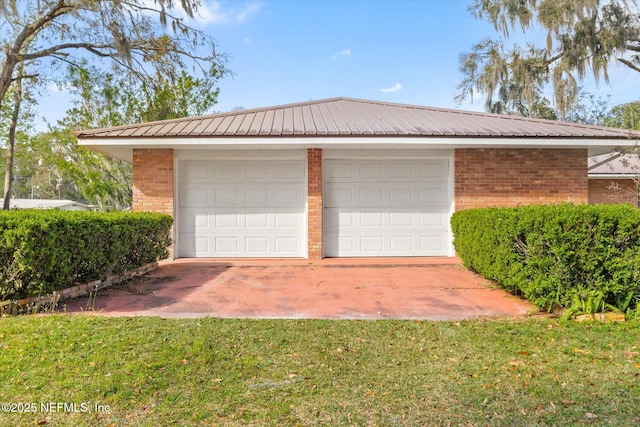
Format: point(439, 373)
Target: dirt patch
point(162, 279)
point(137, 286)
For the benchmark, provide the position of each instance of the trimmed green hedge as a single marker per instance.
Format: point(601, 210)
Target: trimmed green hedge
point(548, 254)
point(44, 251)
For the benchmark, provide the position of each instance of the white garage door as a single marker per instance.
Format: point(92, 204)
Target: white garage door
point(241, 208)
point(386, 207)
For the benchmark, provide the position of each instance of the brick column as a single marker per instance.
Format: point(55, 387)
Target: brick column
point(153, 180)
point(153, 183)
point(314, 203)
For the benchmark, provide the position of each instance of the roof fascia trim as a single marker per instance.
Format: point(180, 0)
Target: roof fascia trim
point(613, 176)
point(171, 142)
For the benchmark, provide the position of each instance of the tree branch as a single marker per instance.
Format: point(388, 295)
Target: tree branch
point(12, 54)
point(629, 64)
point(25, 76)
point(152, 9)
point(632, 47)
point(59, 9)
point(95, 49)
point(553, 59)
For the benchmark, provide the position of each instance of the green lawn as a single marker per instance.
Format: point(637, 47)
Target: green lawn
point(151, 371)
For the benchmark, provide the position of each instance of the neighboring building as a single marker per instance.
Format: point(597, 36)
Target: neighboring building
point(64, 205)
point(346, 177)
point(613, 178)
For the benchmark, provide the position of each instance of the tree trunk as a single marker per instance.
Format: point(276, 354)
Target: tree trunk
point(11, 143)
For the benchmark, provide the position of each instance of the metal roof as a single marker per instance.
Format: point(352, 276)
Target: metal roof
point(625, 165)
point(348, 117)
point(46, 204)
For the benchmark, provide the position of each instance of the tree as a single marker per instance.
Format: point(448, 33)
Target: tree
point(129, 35)
point(11, 138)
point(589, 109)
point(105, 100)
point(581, 36)
point(15, 123)
point(625, 116)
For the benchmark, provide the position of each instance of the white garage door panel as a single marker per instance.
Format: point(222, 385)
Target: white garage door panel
point(241, 195)
point(386, 207)
point(381, 170)
point(225, 220)
point(345, 194)
point(235, 170)
point(235, 208)
point(377, 233)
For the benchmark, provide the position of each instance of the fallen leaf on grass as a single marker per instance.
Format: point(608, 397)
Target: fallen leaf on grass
point(567, 402)
point(523, 353)
point(581, 351)
point(590, 415)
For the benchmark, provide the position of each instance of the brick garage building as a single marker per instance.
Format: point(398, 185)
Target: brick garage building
point(346, 177)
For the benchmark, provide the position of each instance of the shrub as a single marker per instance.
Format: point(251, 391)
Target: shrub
point(44, 251)
point(549, 254)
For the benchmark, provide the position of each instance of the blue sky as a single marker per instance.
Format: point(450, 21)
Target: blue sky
point(404, 51)
point(289, 51)
point(399, 51)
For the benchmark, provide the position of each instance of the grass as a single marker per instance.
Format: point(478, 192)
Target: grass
point(152, 371)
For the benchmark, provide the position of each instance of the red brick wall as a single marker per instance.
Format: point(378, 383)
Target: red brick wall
point(515, 176)
point(613, 191)
point(314, 203)
point(153, 185)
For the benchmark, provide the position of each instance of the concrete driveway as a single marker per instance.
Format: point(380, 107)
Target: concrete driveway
point(411, 288)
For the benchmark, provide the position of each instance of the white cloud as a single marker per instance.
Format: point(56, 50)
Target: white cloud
point(212, 12)
point(248, 9)
point(395, 88)
point(343, 52)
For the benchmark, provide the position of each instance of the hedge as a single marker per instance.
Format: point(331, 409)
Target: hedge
point(549, 254)
point(45, 251)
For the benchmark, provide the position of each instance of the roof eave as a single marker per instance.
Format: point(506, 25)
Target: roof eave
point(122, 148)
point(613, 176)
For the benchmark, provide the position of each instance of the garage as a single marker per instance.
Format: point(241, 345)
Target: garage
point(241, 208)
point(386, 207)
